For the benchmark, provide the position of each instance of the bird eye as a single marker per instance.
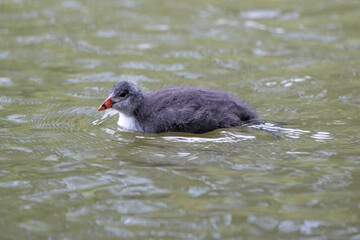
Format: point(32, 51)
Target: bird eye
point(123, 94)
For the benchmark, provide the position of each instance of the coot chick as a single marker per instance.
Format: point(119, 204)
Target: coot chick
point(178, 109)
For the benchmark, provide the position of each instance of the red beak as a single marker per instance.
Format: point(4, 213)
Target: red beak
point(107, 104)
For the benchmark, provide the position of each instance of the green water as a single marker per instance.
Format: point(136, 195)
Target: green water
point(68, 172)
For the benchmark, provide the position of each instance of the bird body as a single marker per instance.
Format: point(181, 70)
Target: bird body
point(178, 109)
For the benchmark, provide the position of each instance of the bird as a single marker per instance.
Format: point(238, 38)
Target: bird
point(176, 109)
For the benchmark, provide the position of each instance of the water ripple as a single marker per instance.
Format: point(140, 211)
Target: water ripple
point(229, 139)
point(259, 26)
point(260, 14)
point(109, 77)
point(290, 132)
point(321, 136)
point(183, 54)
point(154, 67)
point(5, 81)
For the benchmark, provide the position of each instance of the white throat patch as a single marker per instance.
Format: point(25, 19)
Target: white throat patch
point(128, 122)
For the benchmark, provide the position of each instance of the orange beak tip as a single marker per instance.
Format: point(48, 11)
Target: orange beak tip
point(107, 104)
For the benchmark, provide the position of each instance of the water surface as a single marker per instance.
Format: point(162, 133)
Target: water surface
point(68, 172)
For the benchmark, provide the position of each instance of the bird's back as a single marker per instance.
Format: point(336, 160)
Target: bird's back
point(191, 110)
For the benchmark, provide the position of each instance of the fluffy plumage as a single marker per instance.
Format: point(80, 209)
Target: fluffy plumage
point(181, 109)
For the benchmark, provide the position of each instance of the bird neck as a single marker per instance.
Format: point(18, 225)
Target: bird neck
point(128, 122)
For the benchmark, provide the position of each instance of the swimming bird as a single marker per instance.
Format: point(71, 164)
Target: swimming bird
point(177, 109)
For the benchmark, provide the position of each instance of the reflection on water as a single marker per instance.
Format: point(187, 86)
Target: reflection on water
point(68, 171)
point(272, 128)
point(215, 140)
